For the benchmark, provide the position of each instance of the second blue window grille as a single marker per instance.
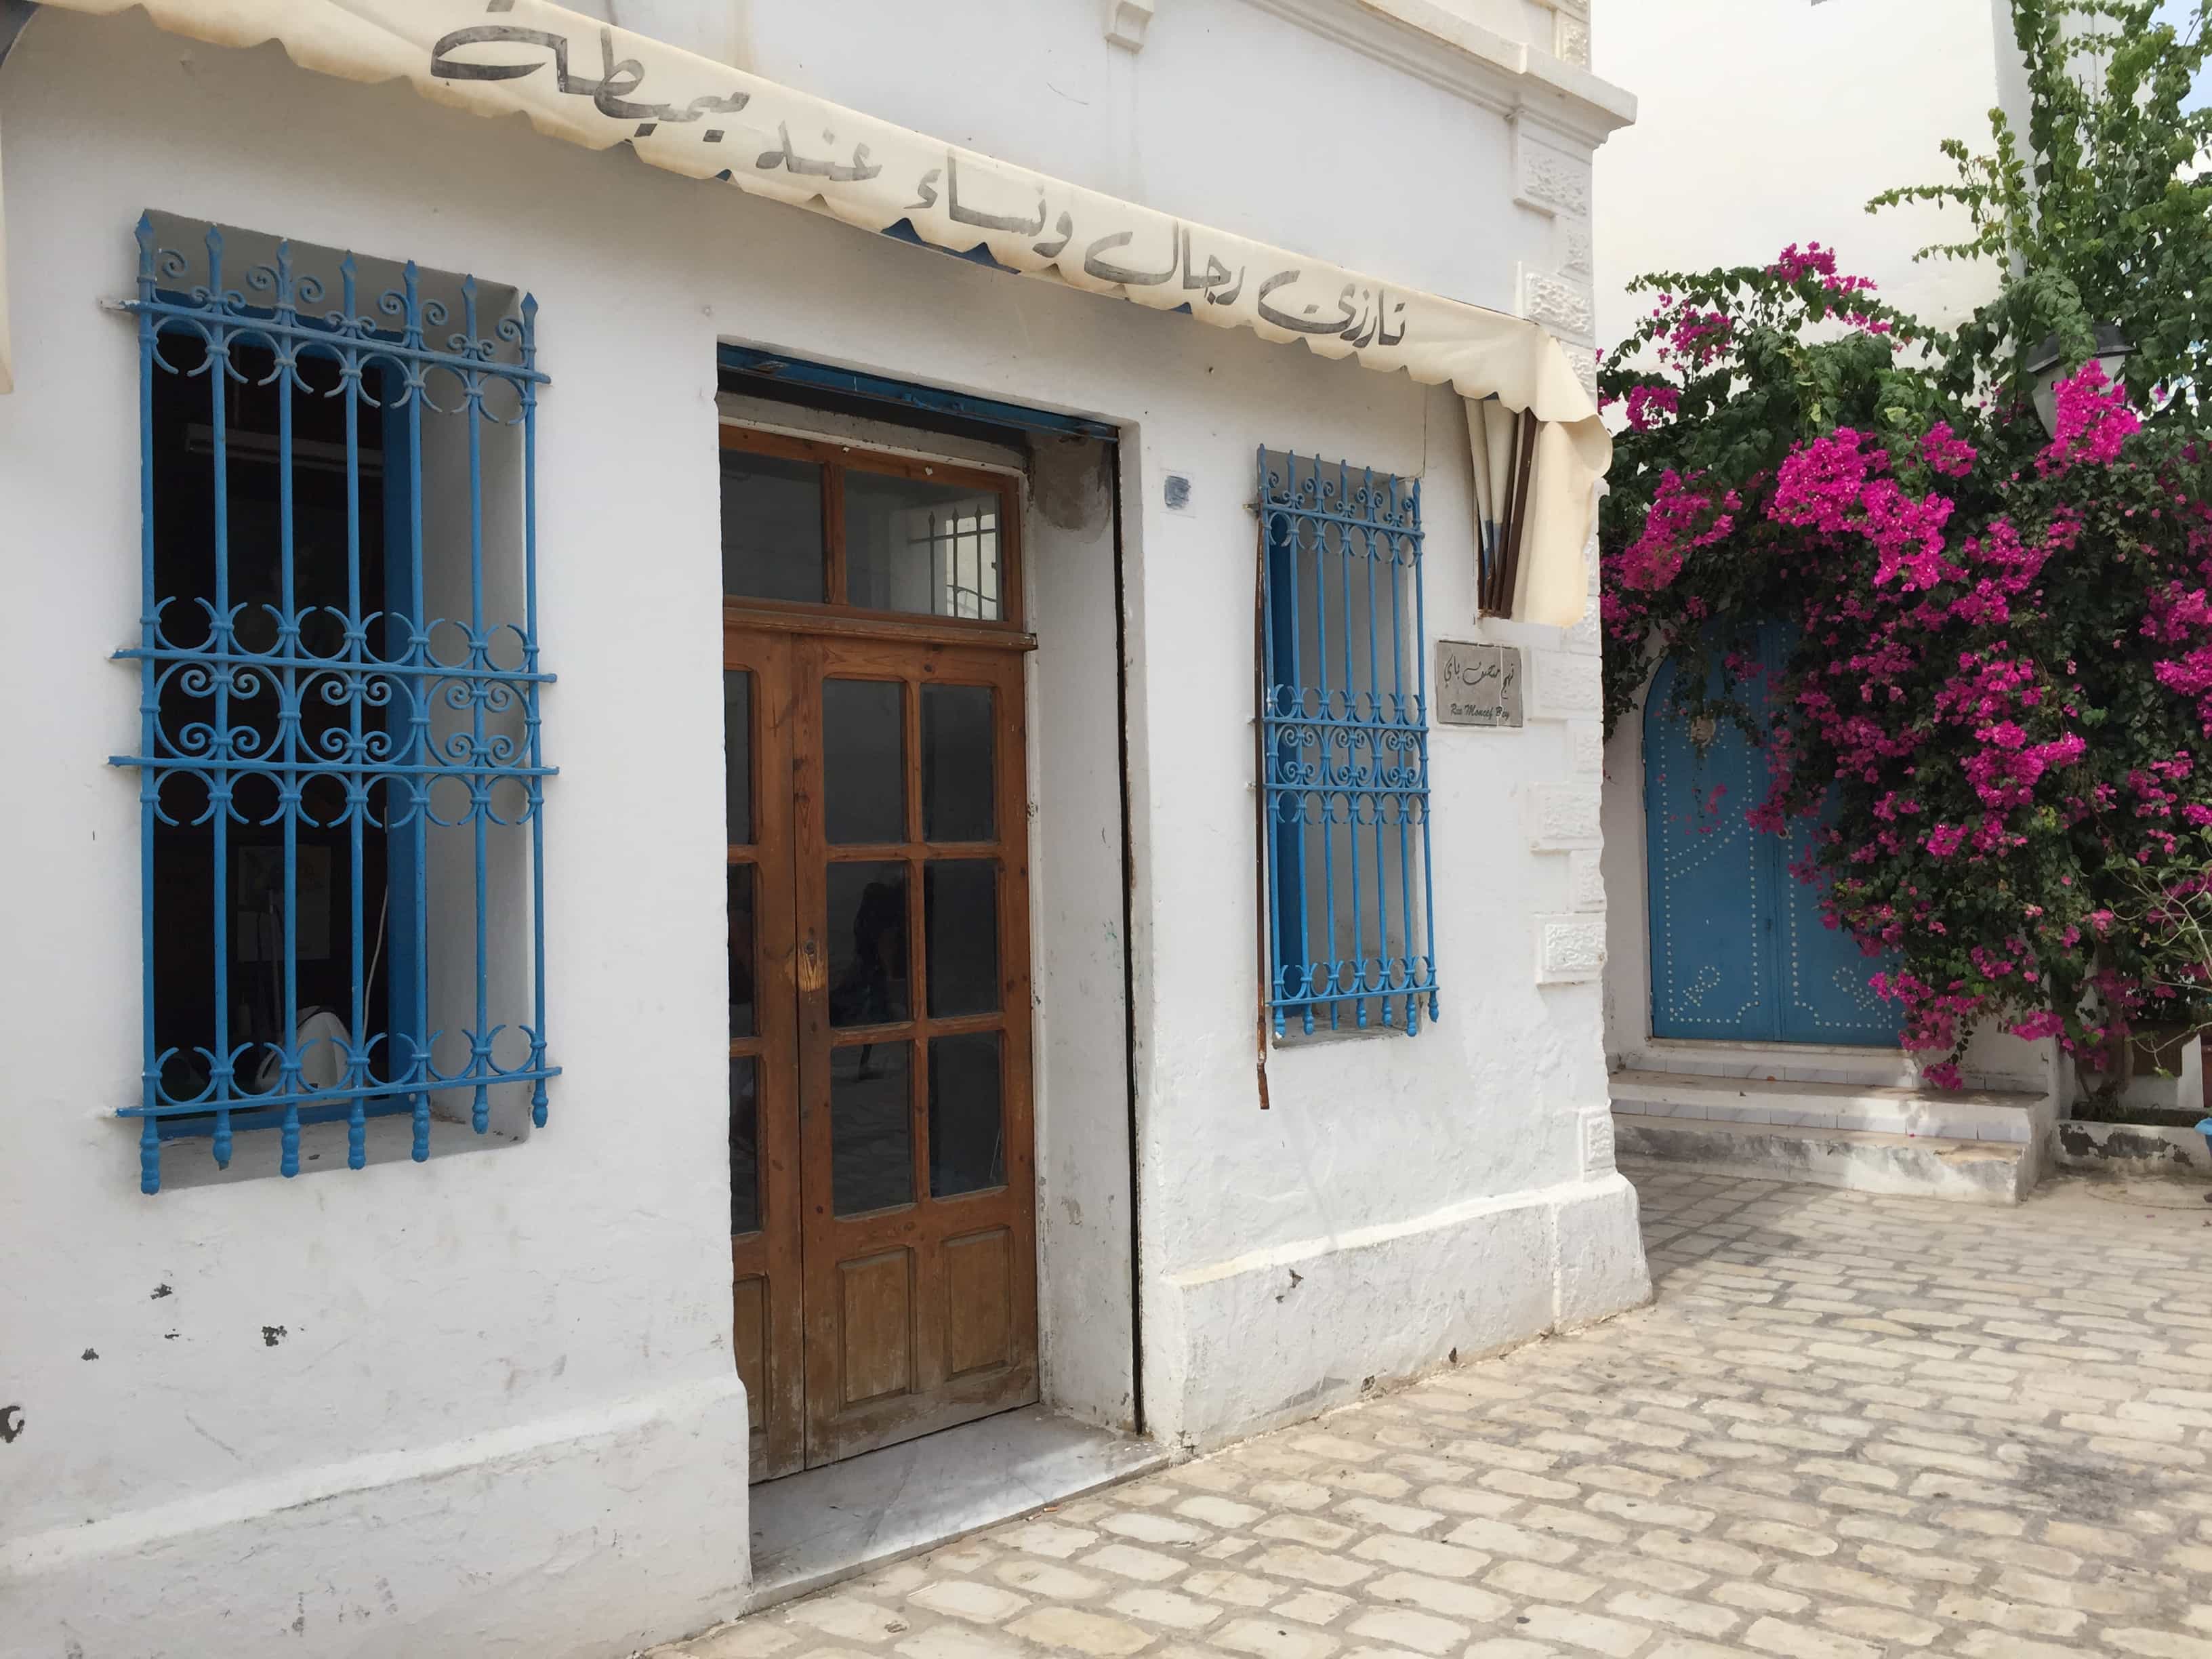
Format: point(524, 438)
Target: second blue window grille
point(1344, 729)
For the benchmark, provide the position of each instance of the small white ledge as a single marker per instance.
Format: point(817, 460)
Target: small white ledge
point(1127, 21)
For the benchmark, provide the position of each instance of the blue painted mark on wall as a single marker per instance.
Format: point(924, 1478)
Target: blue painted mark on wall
point(1738, 950)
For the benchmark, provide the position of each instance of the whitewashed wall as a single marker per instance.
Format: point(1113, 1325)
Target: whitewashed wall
point(1766, 124)
point(502, 1417)
point(726, 28)
point(1338, 127)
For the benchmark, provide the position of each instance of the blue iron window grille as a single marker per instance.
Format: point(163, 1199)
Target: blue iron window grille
point(333, 502)
point(1345, 735)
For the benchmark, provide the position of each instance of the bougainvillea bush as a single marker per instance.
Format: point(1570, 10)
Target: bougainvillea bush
point(1996, 704)
point(1999, 693)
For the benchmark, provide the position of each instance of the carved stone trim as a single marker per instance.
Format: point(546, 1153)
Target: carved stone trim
point(1563, 684)
point(1574, 254)
point(1585, 880)
point(1587, 740)
point(1564, 816)
point(1569, 39)
point(1564, 308)
point(1569, 949)
point(1597, 1143)
point(1549, 179)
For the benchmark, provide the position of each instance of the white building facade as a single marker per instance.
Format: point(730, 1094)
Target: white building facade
point(948, 596)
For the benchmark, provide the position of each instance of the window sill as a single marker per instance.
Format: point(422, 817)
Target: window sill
point(1321, 1037)
point(189, 1161)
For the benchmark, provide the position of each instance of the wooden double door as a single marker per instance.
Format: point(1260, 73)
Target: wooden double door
point(882, 1173)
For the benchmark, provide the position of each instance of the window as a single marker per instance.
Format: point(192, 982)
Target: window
point(340, 773)
point(811, 523)
point(1344, 729)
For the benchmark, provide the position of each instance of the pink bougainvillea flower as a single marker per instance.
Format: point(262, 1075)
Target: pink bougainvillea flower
point(1648, 404)
point(1942, 452)
point(1682, 520)
point(1835, 484)
point(2094, 420)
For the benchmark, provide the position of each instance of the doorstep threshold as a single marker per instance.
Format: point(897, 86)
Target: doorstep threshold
point(1639, 1082)
point(811, 1529)
point(1992, 1115)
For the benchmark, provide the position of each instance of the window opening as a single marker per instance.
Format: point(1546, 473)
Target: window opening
point(1343, 717)
point(808, 523)
point(341, 775)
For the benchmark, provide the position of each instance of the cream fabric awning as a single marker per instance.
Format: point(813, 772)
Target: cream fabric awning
point(598, 86)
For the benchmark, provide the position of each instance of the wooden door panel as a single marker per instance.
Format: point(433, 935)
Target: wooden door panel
point(768, 1334)
point(979, 1282)
point(919, 1236)
point(875, 1327)
point(749, 1338)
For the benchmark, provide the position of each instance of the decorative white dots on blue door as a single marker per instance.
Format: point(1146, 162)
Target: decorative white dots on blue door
point(1740, 950)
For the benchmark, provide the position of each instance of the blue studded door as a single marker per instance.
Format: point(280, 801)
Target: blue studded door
point(1738, 950)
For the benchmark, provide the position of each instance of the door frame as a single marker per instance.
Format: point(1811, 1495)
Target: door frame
point(769, 1256)
point(786, 632)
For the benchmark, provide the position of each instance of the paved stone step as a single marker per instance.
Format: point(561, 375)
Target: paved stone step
point(1974, 1115)
point(1920, 1166)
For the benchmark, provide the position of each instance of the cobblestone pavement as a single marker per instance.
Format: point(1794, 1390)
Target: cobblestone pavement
point(1850, 1426)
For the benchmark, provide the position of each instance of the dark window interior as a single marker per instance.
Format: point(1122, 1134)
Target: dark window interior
point(328, 586)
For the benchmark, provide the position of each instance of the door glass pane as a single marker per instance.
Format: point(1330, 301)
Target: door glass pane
point(960, 920)
point(771, 528)
point(967, 1142)
point(742, 992)
point(863, 761)
point(737, 755)
point(958, 790)
point(867, 944)
point(914, 546)
point(745, 1146)
point(871, 1127)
